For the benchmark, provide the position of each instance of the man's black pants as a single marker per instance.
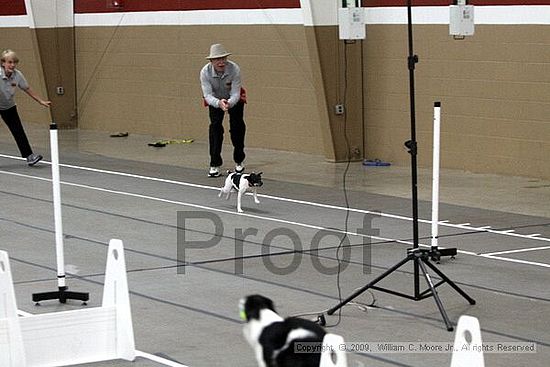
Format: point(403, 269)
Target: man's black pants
point(237, 129)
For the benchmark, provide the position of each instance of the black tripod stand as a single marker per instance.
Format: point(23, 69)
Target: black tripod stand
point(419, 257)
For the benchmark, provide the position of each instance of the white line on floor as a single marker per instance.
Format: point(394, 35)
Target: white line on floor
point(464, 226)
point(230, 212)
point(444, 223)
point(517, 250)
point(519, 261)
point(158, 359)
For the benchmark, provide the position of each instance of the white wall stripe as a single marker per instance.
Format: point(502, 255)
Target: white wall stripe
point(14, 21)
point(539, 14)
point(398, 15)
point(521, 14)
point(490, 15)
point(513, 14)
point(193, 17)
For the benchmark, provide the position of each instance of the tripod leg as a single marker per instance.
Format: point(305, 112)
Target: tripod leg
point(451, 283)
point(361, 290)
point(434, 294)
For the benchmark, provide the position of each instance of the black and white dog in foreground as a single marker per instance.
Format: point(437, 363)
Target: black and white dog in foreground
point(278, 342)
point(241, 183)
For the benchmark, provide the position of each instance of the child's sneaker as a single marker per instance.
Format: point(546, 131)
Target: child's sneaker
point(33, 159)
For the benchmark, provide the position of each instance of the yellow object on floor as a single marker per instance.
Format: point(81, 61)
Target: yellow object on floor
point(163, 143)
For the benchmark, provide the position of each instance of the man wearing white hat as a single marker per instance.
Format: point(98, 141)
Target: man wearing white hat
point(221, 88)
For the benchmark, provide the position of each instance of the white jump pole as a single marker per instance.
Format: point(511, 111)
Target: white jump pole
point(435, 174)
point(58, 221)
point(62, 294)
point(437, 252)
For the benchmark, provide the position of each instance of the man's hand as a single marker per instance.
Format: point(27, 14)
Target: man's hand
point(224, 104)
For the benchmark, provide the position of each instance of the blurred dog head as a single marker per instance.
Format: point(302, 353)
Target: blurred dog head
point(250, 307)
point(274, 339)
point(254, 179)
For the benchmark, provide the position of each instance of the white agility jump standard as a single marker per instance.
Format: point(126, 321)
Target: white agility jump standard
point(62, 294)
point(69, 337)
point(332, 355)
point(468, 335)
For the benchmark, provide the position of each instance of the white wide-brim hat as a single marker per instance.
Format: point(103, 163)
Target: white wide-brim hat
point(217, 51)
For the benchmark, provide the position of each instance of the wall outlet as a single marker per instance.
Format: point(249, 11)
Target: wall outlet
point(339, 109)
point(60, 91)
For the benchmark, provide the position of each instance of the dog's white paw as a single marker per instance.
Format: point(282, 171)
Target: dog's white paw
point(240, 210)
point(256, 201)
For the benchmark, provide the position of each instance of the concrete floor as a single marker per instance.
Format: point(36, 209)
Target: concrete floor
point(122, 188)
point(520, 195)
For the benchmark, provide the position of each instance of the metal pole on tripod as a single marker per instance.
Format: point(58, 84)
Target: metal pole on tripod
point(412, 145)
point(419, 257)
point(61, 294)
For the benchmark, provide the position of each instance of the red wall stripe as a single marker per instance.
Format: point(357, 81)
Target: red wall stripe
point(103, 6)
point(12, 7)
point(379, 3)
